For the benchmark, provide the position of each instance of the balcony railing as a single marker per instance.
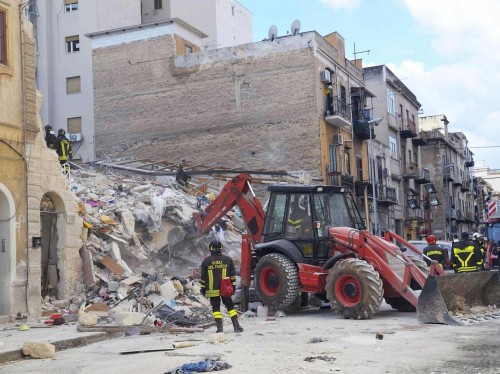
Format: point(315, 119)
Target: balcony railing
point(423, 176)
point(410, 130)
point(414, 214)
point(410, 171)
point(469, 162)
point(387, 195)
point(338, 113)
point(421, 139)
point(362, 130)
point(341, 180)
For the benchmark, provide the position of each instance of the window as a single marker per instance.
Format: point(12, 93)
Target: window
point(232, 10)
point(3, 37)
point(73, 85)
point(391, 108)
point(158, 4)
point(343, 94)
point(72, 44)
point(359, 168)
point(394, 146)
point(70, 5)
point(74, 125)
point(347, 158)
point(188, 49)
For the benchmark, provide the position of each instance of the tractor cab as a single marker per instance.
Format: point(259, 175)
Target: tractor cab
point(303, 214)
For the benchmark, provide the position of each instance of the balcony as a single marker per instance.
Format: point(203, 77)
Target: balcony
point(388, 196)
point(359, 187)
point(466, 185)
point(414, 214)
point(421, 139)
point(423, 176)
point(341, 180)
point(338, 113)
point(362, 130)
point(410, 171)
point(409, 131)
point(457, 183)
point(460, 216)
point(469, 163)
point(448, 176)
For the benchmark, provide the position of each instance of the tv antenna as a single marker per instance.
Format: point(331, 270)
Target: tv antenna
point(272, 33)
point(295, 29)
point(357, 53)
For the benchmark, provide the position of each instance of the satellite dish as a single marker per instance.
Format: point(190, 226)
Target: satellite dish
point(295, 29)
point(272, 33)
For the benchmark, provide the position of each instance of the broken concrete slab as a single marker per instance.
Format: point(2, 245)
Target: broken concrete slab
point(87, 319)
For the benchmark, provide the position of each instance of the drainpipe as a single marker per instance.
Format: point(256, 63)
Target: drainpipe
point(22, 7)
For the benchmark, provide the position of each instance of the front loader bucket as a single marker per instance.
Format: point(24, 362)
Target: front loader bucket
point(448, 299)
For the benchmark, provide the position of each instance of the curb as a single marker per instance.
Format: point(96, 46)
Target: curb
point(60, 345)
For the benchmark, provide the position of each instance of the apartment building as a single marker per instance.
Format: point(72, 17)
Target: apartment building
point(39, 224)
point(293, 103)
point(225, 22)
point(396, 155)
point(451, 162)
point(64, 71)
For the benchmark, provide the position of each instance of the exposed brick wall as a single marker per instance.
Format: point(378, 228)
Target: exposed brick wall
point(215, 114)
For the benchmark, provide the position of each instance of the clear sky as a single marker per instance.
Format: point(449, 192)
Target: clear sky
point(446, 51)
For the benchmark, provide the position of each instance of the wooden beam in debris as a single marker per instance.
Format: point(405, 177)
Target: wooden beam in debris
point(132, 161)
point(111, 329)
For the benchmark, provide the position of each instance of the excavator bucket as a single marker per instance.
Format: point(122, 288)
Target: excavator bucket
point(456, 298)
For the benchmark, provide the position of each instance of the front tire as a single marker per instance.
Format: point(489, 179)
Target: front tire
point(354, 289)
point(277, 280)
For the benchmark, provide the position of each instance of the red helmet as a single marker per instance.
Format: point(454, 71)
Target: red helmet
point(431, 239)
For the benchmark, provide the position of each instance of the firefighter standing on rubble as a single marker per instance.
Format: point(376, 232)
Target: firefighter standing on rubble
point(466, 255)
point(435, 252)
point(213, 269)
point(63, 147)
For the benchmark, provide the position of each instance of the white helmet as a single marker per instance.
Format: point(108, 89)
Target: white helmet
point(476, 236)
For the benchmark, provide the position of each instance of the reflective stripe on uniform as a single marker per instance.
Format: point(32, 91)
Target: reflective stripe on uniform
point(430, 253)
point(232, 313)
point(295, 223)
point(217, 315)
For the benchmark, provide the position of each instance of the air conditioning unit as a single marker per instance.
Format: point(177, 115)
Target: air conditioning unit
point(76, 137)
point(338, 139)
point(326, 76)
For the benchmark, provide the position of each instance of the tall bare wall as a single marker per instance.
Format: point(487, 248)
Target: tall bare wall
point(216, 113)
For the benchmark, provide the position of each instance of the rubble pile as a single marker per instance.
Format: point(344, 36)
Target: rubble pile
point(140, 256)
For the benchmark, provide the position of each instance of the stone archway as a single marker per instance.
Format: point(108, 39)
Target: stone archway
point(7, 248)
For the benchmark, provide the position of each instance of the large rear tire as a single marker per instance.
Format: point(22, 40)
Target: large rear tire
point(277, 280)
point(354, 289)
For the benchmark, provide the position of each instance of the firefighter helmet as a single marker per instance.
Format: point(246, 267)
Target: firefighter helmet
point(431, 239)
point(215, 246)
point(61, 132)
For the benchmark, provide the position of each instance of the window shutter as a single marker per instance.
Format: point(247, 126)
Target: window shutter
point(74, 125)
point(73, 85)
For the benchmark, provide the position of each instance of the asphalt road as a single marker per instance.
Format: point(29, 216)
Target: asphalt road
point(311, 341)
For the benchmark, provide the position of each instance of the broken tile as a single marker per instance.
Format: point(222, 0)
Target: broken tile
point(112, 265)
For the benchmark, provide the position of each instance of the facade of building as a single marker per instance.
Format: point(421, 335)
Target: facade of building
point(225, 22)
point(396, 154)
point(39, 222)
point(450, 162)
point(294, 103)
point(64, 57)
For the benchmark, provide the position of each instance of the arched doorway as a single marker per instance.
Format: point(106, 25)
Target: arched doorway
point(7, 247)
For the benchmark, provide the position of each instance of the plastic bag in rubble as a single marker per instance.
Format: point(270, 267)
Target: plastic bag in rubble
point(200, 367)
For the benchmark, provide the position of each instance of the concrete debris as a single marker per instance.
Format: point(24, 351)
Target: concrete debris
point(140, 255)
point(39, 350)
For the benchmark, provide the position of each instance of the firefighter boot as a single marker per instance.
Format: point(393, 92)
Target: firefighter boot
point(236, 325)
point(218, 323)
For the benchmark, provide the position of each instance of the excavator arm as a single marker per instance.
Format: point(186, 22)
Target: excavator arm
point(234, 194)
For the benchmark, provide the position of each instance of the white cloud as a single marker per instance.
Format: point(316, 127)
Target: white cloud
point(342, 4)
point(465, 90)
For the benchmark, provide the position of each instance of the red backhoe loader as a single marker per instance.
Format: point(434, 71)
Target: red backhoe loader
point(312, 240)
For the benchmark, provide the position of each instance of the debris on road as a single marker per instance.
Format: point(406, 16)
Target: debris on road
point(200, 367)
